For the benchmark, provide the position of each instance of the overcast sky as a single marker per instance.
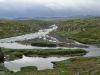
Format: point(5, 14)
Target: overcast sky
point(49, 8)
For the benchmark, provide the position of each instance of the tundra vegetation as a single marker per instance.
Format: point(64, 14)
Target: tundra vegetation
point(84, 30)
point(9, 28)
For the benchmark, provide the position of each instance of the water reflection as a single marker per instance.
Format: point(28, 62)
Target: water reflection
point(39, 62)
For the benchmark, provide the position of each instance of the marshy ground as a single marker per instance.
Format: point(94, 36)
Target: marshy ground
point(85, 30)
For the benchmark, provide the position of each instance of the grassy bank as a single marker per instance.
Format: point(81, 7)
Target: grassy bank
point(83, 30)
point(9, 28)
point(73, 66)
point(44, 44)
point(13, 53)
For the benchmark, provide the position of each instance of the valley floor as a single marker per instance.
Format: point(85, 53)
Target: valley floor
point(86, 31)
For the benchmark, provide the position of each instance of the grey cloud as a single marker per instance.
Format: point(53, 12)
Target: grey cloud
point(40, 8)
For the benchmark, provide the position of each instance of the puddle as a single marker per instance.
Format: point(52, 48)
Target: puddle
point(39, 62)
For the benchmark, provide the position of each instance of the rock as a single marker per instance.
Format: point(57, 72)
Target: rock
point(1, 56)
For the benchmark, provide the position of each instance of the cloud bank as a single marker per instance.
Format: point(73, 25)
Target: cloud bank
point(40, 8)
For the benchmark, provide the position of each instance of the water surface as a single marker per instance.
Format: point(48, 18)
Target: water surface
point(39, 62)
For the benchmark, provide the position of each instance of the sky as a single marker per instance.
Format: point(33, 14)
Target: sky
point(49, 8)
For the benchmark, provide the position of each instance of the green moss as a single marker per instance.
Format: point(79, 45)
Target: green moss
point(28, 69)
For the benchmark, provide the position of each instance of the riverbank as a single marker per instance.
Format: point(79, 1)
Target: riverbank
point(18, 53)
point(78, 66)
point(82, 30)
point(12, 28)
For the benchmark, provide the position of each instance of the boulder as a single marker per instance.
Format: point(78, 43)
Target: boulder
point(1, 56)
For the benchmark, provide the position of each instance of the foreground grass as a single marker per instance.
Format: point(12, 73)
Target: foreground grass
point(73, 66)
point(1, 66)
point(15, 53)
point(3, 69)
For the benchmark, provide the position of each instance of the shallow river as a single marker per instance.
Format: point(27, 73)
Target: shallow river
point(44, 63)
point(40, 62)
